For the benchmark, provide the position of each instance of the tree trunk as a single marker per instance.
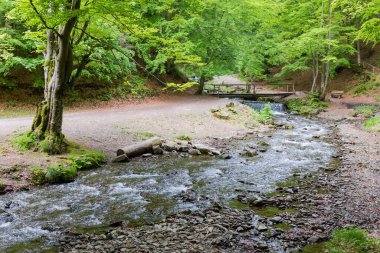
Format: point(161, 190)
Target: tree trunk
point(47, 124)
point(327, 73)
point(201, 84)
point(358, 53)
point(315, 72)
point(139, 148)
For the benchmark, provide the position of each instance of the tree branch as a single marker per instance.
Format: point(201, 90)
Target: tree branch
point(122, 52)
point(42, 19)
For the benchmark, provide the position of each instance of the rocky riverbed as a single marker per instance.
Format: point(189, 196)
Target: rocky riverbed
point(206, 204)
point(303, 210)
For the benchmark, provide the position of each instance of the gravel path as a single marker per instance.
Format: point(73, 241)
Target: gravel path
point(111, 128)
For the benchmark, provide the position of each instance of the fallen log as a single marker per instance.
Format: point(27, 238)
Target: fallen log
point(140, 148)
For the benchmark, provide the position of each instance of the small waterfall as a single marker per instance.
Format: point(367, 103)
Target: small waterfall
point(277, 107)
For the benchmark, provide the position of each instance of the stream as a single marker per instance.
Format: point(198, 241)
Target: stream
point(149, 189)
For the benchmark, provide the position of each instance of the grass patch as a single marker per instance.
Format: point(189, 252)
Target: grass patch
point(352, 240)
point(184, 138)
point(282, 226)
point(236, 204)
point(270, 211)
point(314, 248)
point(372, 124)
point(15, 113)
point(290, 182)
point(366, 110)
point(309, 105)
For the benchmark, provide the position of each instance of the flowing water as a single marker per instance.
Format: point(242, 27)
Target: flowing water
point(147, 190)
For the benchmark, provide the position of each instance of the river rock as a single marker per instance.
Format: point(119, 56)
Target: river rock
point(250, 153)
point(170, 146)
point(157, 150)
point(120, 158)
point(203, 148)
point(194, 152)
point(222, 115)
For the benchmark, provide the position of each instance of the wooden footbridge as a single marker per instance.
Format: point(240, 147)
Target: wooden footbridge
point(250, 91)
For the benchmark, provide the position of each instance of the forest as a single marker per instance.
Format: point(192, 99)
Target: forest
point(268, 170)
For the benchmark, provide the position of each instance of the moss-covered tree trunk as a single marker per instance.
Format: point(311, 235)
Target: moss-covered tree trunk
point(47, 124)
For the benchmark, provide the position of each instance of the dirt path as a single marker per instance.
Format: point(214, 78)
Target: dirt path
point(108, 129)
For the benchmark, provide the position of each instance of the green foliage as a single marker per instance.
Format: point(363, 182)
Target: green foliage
point(198, 37)
point(60, 174)
point(87, 160)
point(367, 86)
point(26, 141)
point(53, 175)
point(352, 240)
point(373, 124)
point(184, 138)
point(266, 115)
point(366, 110)
point(180, 87)
point(309, 105)
point(38, 175)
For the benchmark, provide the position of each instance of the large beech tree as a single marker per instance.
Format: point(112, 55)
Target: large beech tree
point(73, 33)
point(58, 66)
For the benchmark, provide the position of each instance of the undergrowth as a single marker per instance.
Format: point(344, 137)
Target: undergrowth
point(266, 115)
point(372, 124)
point(367, 86)
point(309, 105)
point(79, 158)
point(26, 141)
point(88, 160)
point(352, 240)
point(366, 110)
point(59, 173)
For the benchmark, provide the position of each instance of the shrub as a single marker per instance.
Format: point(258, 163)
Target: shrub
point(38, 175)
point(2, 186)
point(60, 174)
point(25, 141)
point(266, 115)
point(88, 160)
point(309, 105)
point(352, 240)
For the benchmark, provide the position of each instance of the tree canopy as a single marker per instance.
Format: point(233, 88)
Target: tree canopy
point(59, 41)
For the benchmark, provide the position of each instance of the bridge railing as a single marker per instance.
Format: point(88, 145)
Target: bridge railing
point(287, 86)
point(226, 88)
point(248, 88)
